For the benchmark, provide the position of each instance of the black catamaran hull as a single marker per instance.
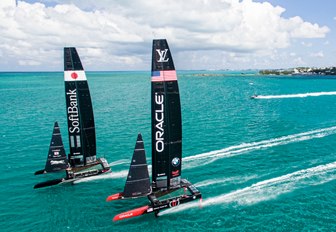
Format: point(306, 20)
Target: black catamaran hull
point(49, 183)
point(74, 176)
point(65, 180)
point(157, 205)
point(39, 172)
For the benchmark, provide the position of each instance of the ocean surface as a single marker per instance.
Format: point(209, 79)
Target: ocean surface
point(265, 164)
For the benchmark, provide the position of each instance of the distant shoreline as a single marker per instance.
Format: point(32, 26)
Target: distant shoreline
point(300, 71)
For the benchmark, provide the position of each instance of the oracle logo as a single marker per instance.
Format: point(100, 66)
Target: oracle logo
point(159, 118)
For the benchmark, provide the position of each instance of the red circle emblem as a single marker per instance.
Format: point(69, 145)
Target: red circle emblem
point(74, 75)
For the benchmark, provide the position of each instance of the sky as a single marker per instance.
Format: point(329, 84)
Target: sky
point(116, 35)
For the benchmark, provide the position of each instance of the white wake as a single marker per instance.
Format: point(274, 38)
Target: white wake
point(268, 189)
point(300, 95)
point(120, 162)
point(192, 161)
point(219, 181)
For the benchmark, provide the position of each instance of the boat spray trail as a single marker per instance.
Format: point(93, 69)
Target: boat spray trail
point(197, 160)
point(269, 189)
point(119, 162)
point(222, 181)
point(299, 95)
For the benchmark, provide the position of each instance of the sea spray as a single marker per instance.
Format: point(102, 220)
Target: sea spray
point(269, 189)
point(119, 162)
point(220, 181)
point(300, 95)
point(193, 161)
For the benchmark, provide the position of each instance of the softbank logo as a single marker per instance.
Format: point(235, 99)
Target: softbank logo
point(162, 54)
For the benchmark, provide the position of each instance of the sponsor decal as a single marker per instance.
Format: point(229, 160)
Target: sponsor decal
point(56, 154)
point(55, 162)
point(162, 54)
point(174, 203)
point(126, 215)
point(176, 162)
point(74, 75)
point(159, 118)
point(176, 173)
point(73, 111)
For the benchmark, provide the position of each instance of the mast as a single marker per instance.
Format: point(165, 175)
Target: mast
point(166, 120)
point(56, 160)
point(81, 126)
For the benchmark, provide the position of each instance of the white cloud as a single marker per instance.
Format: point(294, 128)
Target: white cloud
point(119, 33)
point(29, 62)
point(7, 3)
point(319, 54)
point(298, 61)
point(306, 44)
point(300, 29)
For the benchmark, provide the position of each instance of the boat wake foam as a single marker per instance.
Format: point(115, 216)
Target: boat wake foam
point(193, 161)
point(219, 181)
point(300, 95)
point(269, 189)
point(119, 162)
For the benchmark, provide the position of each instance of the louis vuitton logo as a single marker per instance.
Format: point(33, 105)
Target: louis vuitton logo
point(162, 54)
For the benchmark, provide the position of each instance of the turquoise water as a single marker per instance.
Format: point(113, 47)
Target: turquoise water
point(262, 165)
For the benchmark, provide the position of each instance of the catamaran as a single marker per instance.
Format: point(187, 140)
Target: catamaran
point(81, 161)
point(167, 188)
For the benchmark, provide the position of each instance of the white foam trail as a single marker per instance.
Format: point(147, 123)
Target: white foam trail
point(235, 179)
point(211, 156)
point(119, 162)
point(300, 95)
point(269, 189)
point(110, 175)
